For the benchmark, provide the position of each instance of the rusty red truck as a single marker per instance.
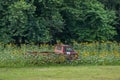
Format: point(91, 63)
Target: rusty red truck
point(61, 49)
point(66, 50)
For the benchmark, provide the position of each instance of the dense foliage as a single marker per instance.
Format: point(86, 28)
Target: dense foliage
point(41, 21)
point(106, 53)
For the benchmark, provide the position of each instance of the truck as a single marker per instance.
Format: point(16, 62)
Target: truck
point(66, 50)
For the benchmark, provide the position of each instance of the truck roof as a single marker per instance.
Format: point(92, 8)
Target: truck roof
point(63, 45)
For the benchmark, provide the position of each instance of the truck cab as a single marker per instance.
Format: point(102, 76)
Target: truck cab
point(66, 50)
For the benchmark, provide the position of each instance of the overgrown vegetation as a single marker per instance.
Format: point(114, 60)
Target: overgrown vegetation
point(106, 53)
point(48, 21)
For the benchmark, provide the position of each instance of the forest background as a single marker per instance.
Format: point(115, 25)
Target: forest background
point(48, 21)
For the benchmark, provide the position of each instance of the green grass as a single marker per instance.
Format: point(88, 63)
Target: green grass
point(62, 73)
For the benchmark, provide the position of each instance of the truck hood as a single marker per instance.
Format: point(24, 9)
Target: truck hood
point(71, 52)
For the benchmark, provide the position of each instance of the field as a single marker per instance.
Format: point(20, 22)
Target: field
point(104, 53)
point(62, 73)
point(99, 61)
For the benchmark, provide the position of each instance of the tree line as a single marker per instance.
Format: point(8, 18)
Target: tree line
point(43, 21)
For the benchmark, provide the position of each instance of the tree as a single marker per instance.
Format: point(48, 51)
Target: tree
point(23, 21)
point(3, 20)
point(114, 5)
point(50, 11)
point(88, 20)
point(22, 26)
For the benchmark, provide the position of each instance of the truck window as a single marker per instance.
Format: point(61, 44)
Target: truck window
point(68, 49)
point(59, 47)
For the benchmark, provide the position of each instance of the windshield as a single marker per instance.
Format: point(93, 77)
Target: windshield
point(68, 49)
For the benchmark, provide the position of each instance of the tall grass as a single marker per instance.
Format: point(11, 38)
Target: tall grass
point(105, 53)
